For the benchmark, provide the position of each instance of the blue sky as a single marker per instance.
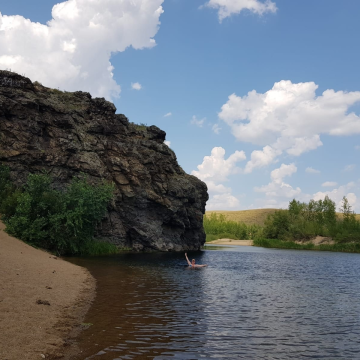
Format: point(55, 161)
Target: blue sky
point(296, 134)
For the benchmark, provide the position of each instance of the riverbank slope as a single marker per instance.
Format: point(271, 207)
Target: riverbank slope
point(42, 299)
point(231, 242)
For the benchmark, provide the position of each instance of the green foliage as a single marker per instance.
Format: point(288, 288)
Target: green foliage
point(8, 193)
point(348, 228)
point(96, 248)
point(140, 127)
point(216, 227)
point(305, 221)
point(302, 221)
point(61, 221)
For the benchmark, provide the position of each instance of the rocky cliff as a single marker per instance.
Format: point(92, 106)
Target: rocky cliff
point(157, 206)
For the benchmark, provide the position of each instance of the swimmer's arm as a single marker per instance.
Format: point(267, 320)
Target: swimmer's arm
point(201, 265)
point(189, 263)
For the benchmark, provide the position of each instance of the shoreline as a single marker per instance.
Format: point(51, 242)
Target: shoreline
point(43, 301)
point(231, 242)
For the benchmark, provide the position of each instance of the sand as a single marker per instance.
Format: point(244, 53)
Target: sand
point(318, 240)
point(43, 300)
point(231, 242)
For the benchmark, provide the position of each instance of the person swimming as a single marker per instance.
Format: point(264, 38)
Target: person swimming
point(192, 263)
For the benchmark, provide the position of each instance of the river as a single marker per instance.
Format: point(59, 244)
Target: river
point(249, 303)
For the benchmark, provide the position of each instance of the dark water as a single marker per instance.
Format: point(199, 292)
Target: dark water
point(250, 303)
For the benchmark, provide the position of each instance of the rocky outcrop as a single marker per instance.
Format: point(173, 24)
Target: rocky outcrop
point(157, 206)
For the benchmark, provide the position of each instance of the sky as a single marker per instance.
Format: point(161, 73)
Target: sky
point(259, 99)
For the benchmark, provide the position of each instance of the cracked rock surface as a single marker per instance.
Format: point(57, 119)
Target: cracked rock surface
point(157, 206)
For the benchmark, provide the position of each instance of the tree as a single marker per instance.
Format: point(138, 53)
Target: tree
point(348, 214)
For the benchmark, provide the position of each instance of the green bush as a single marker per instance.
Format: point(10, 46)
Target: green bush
point(61, 221)
point(8, 194)
point(216, 227)
point(305, 221)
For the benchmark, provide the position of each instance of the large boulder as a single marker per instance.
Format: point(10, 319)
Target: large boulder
point(157, 206)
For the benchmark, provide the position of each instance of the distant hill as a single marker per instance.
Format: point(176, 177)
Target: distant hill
point(256, 216)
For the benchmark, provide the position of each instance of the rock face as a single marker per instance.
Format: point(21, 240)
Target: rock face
point(157, 206)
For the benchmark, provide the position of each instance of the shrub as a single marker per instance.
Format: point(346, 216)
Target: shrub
point(216, 226)
point(61, 221)
point(305, 221)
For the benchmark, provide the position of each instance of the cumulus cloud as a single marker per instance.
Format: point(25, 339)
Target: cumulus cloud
point(168, 114)
point(329, 184)
point(277, 188)
point(289, 118)
point(198, 122)
point(227, 8)
point(310, 170)
point(338, 194)
point(214, 170)
point(72, 51)
point(260, 158)
point(223, 202)
point(216, 129)
point(168, 143)
point(136, 86)
point(221, 197)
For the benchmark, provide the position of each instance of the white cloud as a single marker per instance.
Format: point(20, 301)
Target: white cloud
point(223, 202)
point(349, 168)
point(198, 122)
point(289, 118)
point(260, 158)
point(168, 143)
point(216, 129)
point(329, 184)
point(221, 197)
point(214, 170)
point(227, 8)
point(217, 188)
point(357, 147)
point(168, 114)
point(277, 188)
point(337, 195)
point(310, 170)
point(136, 86)
point(72, 51)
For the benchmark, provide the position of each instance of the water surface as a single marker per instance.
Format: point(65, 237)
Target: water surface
point(249, 303)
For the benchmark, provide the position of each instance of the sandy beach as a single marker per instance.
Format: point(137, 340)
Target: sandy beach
point(43, 300)
point(231, 242)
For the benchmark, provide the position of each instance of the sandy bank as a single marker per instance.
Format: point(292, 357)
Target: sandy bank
point(231, 242)
point(318, 240)
point(30, 280)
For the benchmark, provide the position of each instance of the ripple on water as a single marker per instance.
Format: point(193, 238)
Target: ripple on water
point(248, 304)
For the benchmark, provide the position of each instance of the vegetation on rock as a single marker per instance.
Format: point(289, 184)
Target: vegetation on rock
point(156, 205)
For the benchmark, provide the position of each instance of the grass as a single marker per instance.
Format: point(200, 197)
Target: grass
point(218, 227)
point(249, 217)
point(279, 244)
point(97, 248)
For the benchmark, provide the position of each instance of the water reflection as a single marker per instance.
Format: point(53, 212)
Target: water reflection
point(250, 303)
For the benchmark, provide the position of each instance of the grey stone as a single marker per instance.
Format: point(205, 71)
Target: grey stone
point(157, 206)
